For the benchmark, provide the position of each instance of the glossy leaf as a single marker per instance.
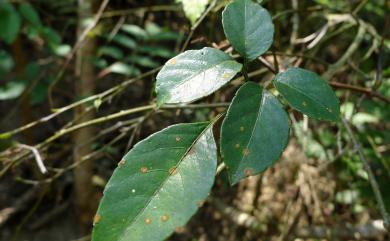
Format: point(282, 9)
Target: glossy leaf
point(248, 27)
point(308, 93)
point(158, 185)
point(10, 22)
point(254, 132)
point(194, 74)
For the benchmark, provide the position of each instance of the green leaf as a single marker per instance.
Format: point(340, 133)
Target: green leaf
point(152, 29)
point(111, 51)
point(10, 23)
point(125, 41)
point(142, 61)
point(134, 30)
point(6, 62)
point(193, 8)
point(12, 89)
point(97, 103)
point(60, 49)
point(308, 93)
point(254, 132)
point(194, 74)
point(158, 185)
point(51, 36)
point(156, 51)
point(122, 68)
point(29, 13)
point(248, 27)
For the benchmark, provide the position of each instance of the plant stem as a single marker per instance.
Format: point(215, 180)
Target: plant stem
point(245, 70)
point(196, 25)
point(371, 176)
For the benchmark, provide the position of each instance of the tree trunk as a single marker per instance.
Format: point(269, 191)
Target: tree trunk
point(85, 193)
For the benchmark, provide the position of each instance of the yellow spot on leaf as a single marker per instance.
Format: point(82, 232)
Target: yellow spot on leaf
point(304, 103)
point(144, 169)
point(226, 75)
point(329, 110)
point(165, 218)
point(200, 203)
point(173, 62)
point(97, 219)
point(178, 139)
point(121, 163)
point(237, 145)
point(242, 128)
point(246, 152)
point(148, 220)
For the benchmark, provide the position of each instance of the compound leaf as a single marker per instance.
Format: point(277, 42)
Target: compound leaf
point(248, 27)
point(307, 92)
point(158, 185)
point(194, 74)
point(254, 132)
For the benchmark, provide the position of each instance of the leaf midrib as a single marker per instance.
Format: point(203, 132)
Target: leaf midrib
point(163, 182)
point(304, 94)
point(254, 126)
point(203, 71)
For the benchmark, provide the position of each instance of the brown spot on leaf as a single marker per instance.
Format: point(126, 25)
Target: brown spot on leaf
point(172, 171)
point(191, 151)
point(148, 220)
point(144, 169)
point(248, 172)
point(179, 229)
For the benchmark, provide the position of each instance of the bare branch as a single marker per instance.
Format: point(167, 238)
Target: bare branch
point(37, 156)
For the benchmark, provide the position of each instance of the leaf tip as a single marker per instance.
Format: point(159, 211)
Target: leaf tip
point(6, 135)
